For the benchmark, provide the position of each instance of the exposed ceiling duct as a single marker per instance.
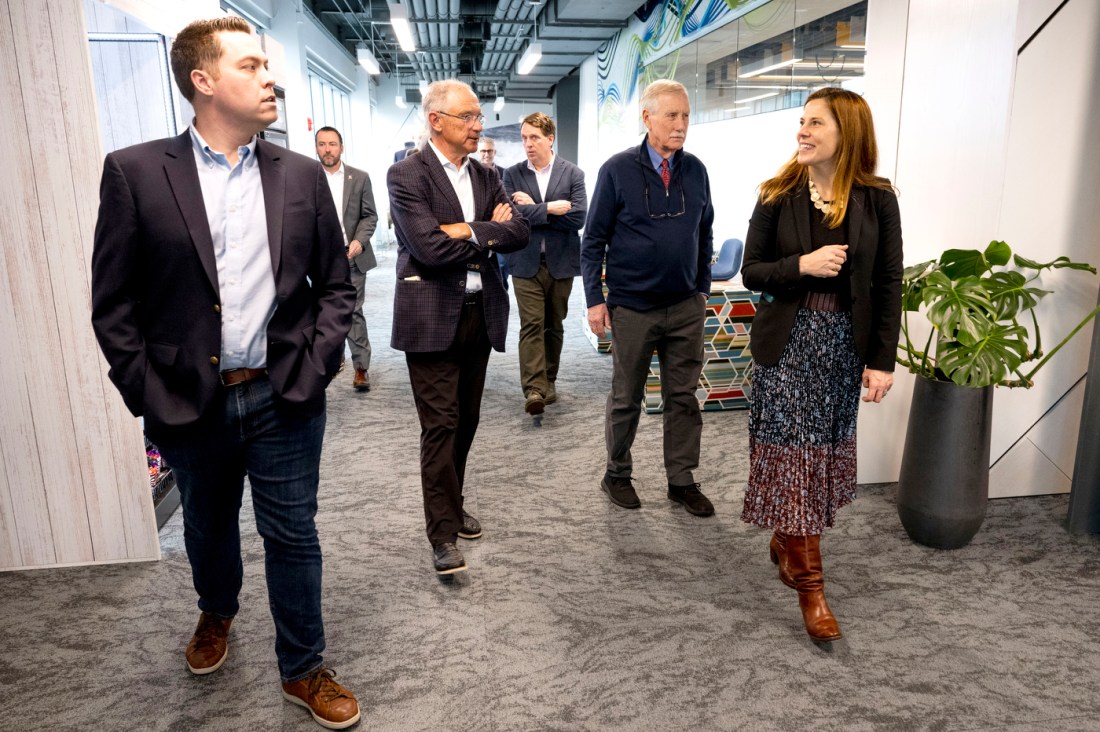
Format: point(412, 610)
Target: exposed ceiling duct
point(479, 42)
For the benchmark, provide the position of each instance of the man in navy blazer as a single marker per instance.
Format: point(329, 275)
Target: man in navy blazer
point(220, 299)
point(451, 218)
point(549, 193)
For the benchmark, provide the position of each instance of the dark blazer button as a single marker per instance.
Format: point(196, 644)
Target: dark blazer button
point(214, 360)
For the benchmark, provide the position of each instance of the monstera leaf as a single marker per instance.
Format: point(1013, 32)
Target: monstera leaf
point(989, 360)
point(976, 303)
point(1010, 295)
point(958, 308)
point(959, 263)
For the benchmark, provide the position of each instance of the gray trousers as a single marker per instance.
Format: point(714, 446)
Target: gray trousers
point(676, 333)
point(357, 336)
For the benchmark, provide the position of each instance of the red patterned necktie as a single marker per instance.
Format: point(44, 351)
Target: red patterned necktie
point(665, 175)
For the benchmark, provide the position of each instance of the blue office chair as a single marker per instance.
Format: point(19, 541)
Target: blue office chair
point(728, 263)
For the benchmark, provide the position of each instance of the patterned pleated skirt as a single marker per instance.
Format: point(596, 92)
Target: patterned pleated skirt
point(802, 428)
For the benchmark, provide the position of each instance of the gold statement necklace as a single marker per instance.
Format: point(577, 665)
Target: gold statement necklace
point(821, 205)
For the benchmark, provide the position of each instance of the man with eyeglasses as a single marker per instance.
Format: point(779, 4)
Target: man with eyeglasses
point(649, 224)
point(487, 152)
point(451, 217)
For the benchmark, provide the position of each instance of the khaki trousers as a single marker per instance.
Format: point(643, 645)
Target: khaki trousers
point(543, 304)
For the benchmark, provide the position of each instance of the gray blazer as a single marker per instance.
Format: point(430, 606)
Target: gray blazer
point(563, 245)
point(360, 215)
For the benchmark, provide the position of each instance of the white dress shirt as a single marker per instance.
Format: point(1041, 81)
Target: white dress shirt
point(464, 189)
point(336, 185)
point(542, 178)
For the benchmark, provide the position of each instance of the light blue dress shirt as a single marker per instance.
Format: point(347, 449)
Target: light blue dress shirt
point(234, 199)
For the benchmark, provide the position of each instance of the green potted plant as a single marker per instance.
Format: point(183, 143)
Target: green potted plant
point(984, 334)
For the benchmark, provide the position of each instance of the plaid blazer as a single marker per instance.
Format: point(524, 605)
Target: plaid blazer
point(432, 267)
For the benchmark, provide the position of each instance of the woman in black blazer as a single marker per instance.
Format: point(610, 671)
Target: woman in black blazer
point(824, 249)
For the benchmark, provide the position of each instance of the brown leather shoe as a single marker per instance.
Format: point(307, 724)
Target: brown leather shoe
point(330, 703)
point(778, 550)
point(209, 647)
point(361, 382)
point(804, 561)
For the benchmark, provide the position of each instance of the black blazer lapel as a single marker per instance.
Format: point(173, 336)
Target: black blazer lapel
point(857, 211)
point(273, 180)
point(183, 178)
point(556, 174)
point(800, 209)
point(532, 182)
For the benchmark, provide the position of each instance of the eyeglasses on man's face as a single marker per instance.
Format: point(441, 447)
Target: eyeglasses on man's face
point(467, 119)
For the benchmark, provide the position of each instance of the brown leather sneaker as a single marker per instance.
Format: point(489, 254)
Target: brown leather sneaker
point(332, 705)
point(209, 647)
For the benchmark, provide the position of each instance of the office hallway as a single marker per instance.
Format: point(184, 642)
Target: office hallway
point(575, 614)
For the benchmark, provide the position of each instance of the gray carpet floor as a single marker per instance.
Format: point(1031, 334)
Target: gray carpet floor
point(575, 614)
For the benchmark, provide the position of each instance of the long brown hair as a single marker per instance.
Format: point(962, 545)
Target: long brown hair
point(856, 155)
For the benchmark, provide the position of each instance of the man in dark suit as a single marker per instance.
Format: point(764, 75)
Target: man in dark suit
point(549, 193)
point(354, 197)
point(220, 299)
point(451, 216)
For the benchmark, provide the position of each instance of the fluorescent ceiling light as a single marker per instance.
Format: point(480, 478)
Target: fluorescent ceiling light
point(529, 58)
point(399, 19)
point(422, 85)
point(367, 60)
point(498, 104)
point(758, 96)
point(769, 67)
point(399, 100)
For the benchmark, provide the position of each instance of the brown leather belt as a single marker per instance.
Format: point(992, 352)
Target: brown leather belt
point(233, 377)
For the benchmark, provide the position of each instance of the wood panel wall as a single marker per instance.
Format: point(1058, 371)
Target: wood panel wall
point(74, 487)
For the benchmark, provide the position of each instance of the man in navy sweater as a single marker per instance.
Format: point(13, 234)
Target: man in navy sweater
point(649, 223)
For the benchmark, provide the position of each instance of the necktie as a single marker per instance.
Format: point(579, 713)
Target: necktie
point(665, 175)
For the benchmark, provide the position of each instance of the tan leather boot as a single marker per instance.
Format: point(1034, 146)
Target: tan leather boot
point(778, 550)
point(804, 562)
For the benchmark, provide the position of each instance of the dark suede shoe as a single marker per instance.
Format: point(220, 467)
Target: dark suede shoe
point(448, 559)
point(620, 491)
point(209, 647)
point(330, 703)
point(471, 527)
point(692, 498)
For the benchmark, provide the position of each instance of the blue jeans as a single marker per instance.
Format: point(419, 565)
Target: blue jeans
point(281, 456)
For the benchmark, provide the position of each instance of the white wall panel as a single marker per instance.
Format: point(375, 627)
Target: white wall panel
point(1031, 15)
point(740, 155)
point(1051, 179)
point(75, 485)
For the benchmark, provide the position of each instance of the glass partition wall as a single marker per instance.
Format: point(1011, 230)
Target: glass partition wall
point(769, 58)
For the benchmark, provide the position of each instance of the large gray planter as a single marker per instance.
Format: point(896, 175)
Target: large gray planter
point(944, 484)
